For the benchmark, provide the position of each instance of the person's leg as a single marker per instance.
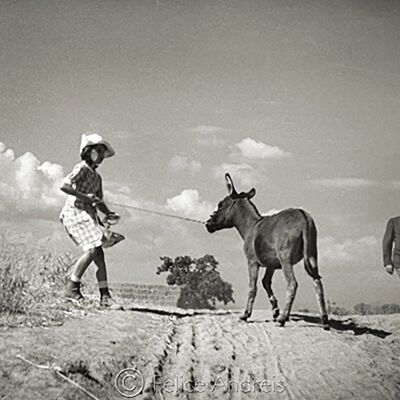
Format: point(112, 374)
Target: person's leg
point(101, 275)
point(83, 263)
point(73, 286)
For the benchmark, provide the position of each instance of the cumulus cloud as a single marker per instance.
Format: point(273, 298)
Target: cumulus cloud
point(243, 174)
point(344, 183)
point(207, 135)
point(188, 204)
point(28, 187)
point(250, 148)
point(335, 251)
point(207, 129)
point(180, 163)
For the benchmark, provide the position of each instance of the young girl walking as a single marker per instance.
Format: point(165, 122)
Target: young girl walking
point(80, 219)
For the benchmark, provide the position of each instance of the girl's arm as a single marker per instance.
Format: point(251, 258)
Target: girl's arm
point(87, 198)
point(101, 205)
point(103, 208)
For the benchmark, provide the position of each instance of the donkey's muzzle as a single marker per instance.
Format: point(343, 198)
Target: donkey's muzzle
point(210, 226)
point(210, 229)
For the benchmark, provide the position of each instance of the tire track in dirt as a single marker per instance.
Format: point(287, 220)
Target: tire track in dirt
point(211, 357)
point(216, 359)
point(172, 377)
point(260, 377)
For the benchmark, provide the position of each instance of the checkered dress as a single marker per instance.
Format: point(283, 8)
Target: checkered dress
point(79, 218)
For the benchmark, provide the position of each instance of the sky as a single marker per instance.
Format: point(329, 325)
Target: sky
point(297, 99)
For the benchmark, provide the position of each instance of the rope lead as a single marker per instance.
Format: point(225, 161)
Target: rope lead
point(157, 213)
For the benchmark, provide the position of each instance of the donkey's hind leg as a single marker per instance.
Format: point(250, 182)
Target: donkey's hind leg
point(311, 267)
point(253, 275)
point(292, 285)
point(267, 283)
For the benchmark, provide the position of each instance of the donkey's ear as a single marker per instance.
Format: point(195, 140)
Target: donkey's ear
point(229, 184)
point(251, 193)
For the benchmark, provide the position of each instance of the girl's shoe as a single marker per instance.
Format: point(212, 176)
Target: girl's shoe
point(106, 301)
point(73, 291)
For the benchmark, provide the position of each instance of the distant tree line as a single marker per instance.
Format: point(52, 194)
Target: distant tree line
point(368, 309)
point(361, 309)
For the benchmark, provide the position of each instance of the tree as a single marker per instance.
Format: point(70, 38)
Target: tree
point(200, 282)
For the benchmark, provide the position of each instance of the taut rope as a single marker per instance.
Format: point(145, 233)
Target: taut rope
point(157, 213)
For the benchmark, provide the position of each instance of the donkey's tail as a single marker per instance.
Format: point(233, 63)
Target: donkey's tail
point(310, 251)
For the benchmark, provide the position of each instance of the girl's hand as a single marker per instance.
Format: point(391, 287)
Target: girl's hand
point(93, 199)
point(113, 216)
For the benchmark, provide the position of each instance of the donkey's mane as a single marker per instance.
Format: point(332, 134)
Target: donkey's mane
point(255, 208)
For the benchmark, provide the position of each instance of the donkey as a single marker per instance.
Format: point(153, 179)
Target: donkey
point(275, 242)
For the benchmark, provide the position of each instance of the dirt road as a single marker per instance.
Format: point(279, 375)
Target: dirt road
point(204, 357)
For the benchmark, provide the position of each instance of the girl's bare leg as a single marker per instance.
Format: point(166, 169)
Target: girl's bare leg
point(101, 273)
point(73, 286)
point(83, 263)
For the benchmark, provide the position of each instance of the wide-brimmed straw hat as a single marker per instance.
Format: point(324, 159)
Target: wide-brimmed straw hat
point(91, 139)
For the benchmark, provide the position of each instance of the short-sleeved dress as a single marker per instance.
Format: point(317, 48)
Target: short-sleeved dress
point(80, 219)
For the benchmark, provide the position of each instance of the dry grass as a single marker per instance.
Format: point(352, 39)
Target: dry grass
point(32, 282)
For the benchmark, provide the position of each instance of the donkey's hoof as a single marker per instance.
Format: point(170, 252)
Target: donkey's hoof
point(244, 317)
point(325, 323)
point(275, 314)
point(281, 321)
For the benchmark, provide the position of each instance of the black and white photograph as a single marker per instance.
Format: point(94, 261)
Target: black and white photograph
point(199, 199)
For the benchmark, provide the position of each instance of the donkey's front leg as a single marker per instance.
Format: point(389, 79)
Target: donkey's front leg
point(253, 275)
